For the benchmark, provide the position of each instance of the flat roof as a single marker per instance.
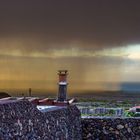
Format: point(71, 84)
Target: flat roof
point(45, 108)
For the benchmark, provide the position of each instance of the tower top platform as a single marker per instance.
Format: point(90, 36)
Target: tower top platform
point(62, 71)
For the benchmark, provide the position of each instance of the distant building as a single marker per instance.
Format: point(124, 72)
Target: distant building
point(135, 109)
point(30, 92)
point(4, 95)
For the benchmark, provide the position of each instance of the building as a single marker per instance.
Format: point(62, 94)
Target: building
point(62, 89)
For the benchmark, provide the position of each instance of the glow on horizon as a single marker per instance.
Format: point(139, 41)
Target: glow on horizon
point(128, 52)
point(133, 51)
point(26, 69)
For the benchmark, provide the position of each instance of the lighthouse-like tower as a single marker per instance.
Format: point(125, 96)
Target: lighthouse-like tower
point(62, 91)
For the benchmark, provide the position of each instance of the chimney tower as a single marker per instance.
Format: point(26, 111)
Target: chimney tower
point(62, 91)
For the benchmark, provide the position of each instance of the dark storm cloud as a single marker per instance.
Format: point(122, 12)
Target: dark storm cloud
point(99, 22)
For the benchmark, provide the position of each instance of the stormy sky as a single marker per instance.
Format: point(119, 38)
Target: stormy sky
point(98, 41)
